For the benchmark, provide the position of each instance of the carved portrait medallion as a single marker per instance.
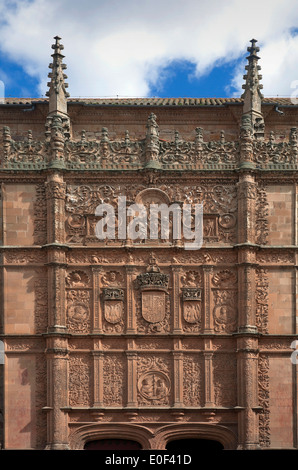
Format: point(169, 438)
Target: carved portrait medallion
point(224, 318)
point(78, 315)
point(154, 385)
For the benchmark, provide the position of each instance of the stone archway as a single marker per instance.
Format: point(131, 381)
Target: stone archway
point(110, 432)
point(154, 440)
point(218, 436)
point(195, 445)
point(112, 445)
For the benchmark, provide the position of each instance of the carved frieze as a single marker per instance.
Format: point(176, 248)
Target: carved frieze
point(219, 218)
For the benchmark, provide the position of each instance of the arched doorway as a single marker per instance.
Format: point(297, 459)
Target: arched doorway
point(197, 445)
point(113, 444)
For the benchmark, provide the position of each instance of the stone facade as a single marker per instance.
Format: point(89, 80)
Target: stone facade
point(143, 339)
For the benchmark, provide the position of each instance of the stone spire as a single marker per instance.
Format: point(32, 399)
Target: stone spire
point(57, 87)
point(252, 96)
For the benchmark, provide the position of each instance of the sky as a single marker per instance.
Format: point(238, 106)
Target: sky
point(148, 48)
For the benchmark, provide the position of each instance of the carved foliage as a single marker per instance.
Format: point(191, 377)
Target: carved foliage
point(114, 375)
point(79, 381)
point(41, 301)
point(192, 380)
point(40, 216)
point(262, 299)
point(263, 391)
point(262, 213)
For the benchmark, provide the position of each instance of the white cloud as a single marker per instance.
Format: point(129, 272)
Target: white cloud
point(120, 47)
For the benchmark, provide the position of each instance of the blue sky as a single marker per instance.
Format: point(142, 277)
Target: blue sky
point(137, 48)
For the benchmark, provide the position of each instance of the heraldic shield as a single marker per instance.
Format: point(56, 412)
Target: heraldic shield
point(113, 311)
point(153, 306)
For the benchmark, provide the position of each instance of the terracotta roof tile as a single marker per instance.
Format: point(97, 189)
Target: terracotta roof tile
point(150, 101)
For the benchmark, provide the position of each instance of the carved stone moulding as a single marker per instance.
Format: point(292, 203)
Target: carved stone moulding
point(191, 293)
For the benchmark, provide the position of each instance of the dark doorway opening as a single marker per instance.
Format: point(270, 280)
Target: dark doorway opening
point(195, 445)
point(113, 444)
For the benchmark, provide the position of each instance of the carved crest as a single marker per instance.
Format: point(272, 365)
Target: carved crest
point(113, 311)
point(113, 304)
point(192, 312)
point(153, 306)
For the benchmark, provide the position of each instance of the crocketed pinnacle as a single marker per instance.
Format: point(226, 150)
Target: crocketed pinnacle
point(57, 87)
point(252, 95)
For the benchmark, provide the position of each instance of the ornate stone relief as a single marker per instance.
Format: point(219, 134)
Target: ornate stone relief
point(114, 380)
point(40, 216)
point(192, 380)
point(219, 203)
point(113, 301)
point(154, 385)
point(263, 392)
point(262, 299)
point(79, 380)
point(41, 301)
point(105, 153)
point(191, 282)
point(113, 308)
point(153, 298)
point(270, 153)
point(225, 301)
point(78, 297)
point(261, 230)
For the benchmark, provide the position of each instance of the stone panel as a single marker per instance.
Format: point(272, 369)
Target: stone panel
point(280, 304)
point(18, 210)
point(281, 402)
point(280, 217)
point(20, 301)
point(20, 416)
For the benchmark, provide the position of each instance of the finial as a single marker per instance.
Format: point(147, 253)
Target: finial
point(57, 87)
point(252, 96)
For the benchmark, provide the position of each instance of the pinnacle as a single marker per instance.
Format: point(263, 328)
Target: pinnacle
point(252, 95)
point(57, 86)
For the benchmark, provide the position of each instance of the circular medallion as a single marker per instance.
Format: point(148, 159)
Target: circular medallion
point(154, 385)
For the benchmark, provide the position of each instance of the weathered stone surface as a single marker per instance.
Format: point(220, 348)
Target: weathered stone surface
point(141, 338)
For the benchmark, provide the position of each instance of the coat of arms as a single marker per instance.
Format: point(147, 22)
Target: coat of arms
point(113, 310)
point(153, 306)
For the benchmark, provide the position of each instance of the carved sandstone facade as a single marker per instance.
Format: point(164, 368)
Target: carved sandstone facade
point(144, 339)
